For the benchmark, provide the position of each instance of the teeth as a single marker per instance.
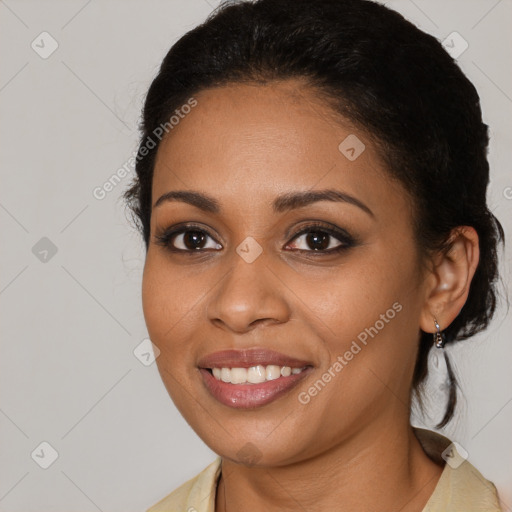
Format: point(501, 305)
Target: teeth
point(273, 372)
point(286, 371)
point(225, 374)
point(238, 375)
point(254, 374)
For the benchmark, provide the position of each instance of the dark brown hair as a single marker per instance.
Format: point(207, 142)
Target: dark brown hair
point(379, 71)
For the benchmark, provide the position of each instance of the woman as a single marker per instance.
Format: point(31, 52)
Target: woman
point(311, 185)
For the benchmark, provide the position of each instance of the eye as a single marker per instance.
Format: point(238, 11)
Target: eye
point(318, 238)
point(187, 239)
point(314, 238)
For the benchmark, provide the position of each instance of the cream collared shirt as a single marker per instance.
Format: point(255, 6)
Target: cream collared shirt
point(461, 488)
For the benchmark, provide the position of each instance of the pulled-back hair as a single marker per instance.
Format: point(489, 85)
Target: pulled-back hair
point(386, 76)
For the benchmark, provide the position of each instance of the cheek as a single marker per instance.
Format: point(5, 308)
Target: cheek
point(354, 296)
point(169, 307)
point(368, 310)
point(154, 300)
point(168, 303)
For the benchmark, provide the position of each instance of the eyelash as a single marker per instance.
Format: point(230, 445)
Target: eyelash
point(347, 241)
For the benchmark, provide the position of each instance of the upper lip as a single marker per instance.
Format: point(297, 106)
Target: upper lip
point(249, 357)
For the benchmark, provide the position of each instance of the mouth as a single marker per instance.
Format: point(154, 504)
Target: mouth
point(251, 378)
point(254, 374)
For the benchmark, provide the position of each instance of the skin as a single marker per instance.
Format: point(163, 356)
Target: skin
point(351, 447)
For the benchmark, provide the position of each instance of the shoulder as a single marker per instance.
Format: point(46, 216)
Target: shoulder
point(461, 486)
point(195, 495)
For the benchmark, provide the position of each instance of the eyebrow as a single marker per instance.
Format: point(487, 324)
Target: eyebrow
point(282, 203)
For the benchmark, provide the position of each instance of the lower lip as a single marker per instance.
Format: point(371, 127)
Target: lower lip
point(245, 396)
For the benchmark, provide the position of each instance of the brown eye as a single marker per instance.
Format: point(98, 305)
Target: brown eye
point(187, 240)
point(324, 240)
point(193, 240)
point(317, 240)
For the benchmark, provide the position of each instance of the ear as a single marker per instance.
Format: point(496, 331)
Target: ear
point(449, 279)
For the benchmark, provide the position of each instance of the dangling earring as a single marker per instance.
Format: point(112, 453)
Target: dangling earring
point(438, 336)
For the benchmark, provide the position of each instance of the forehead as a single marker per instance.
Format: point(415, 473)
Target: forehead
point(243, 141)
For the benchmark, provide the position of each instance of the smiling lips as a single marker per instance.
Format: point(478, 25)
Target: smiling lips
point(251, 378)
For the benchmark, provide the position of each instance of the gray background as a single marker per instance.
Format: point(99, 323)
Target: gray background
point(71, 320)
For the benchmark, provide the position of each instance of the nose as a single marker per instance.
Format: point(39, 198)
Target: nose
point(249, 295)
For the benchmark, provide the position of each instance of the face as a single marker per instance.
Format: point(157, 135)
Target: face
point(314, 299)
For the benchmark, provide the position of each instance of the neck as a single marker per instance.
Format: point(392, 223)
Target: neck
point(381, 469)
